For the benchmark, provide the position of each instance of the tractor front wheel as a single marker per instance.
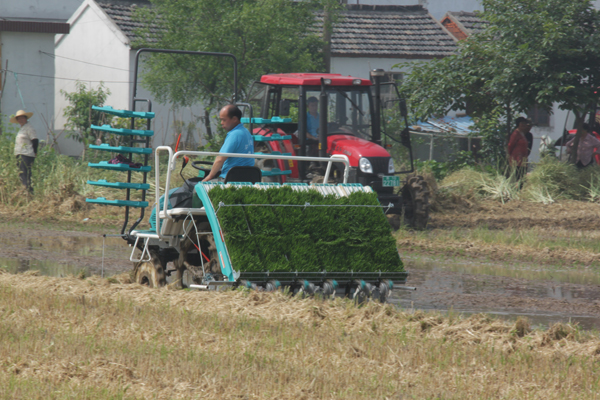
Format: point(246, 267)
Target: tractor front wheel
point(415, 197)
point(150, 273)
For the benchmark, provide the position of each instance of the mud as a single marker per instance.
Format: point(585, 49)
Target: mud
point(462, 213)
point(459, 277)
point(543, 301)
point(62, 253)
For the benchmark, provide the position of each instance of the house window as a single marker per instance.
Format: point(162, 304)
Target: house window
point(539, 116)
point(395, 77)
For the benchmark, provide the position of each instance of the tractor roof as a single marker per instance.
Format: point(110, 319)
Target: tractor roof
point(312, 79)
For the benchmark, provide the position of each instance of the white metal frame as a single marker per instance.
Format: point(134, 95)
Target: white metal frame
point(338, 158)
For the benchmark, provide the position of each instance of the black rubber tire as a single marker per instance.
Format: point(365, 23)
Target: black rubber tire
point(150, 273)
point(415, 195)
point(266, 165)
point(211, 267)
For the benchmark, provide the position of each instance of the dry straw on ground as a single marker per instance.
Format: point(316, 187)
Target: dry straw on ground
point(89, 338)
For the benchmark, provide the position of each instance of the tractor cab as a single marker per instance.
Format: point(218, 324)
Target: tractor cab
point(331, 114)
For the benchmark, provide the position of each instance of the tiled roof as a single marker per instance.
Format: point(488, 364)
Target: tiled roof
point(121, 12)
point(388, 31)
point(469, 21)
point(361, 31)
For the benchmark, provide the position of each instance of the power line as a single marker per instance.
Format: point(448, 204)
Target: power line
point(65, 79)
point(84, 62)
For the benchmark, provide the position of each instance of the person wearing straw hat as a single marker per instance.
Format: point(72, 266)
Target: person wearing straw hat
point(26, 145)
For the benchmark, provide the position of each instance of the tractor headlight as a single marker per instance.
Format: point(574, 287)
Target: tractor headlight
point(391, 169)
point(365, 165)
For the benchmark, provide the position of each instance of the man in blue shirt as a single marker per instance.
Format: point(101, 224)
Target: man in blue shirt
point(238, 140)
point(312, 118)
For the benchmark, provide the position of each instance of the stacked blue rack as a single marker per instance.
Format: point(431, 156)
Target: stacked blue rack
point(274, 137)
point(146, 151)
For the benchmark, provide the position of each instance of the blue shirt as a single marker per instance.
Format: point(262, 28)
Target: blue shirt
point(238, 140)
point(312, 124)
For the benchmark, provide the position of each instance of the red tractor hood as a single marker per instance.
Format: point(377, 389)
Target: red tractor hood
point(354, 148)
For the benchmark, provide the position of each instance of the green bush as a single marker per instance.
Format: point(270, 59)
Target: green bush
point(306, 239)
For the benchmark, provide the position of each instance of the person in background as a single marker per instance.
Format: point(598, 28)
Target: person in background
point(312, 118)
point(519, 147)
point(238, 140)
point(26, 146)
point(586, 148)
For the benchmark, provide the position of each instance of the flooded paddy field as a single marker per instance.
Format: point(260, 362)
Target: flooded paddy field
point(542, 292)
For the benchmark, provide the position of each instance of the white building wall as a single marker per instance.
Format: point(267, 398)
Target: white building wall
point(93, 53)
point(25, 55)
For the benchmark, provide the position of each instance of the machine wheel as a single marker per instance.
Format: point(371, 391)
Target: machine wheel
point(415, 197)
point(208, 246)
point(266, 165)
point(150, 273)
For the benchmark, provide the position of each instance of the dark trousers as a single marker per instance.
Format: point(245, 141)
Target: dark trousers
point(25, 163)
point(580, 165)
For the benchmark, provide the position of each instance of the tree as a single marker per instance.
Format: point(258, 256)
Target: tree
point(266, 36)
point(80, 115)
point(532, 52)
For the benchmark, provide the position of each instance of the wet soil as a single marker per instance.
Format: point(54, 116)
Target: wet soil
point(568, 214)
point(495, 279)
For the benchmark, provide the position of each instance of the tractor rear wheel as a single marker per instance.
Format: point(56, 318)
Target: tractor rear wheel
point(150, 273)
point(415, 197)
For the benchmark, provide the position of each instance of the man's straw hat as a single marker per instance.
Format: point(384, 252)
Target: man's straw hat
point(18, 114)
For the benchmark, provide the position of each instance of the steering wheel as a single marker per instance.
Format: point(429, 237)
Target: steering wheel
point(196, 164)
point(334, 128)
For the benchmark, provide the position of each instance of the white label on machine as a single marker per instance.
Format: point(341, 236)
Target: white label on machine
point(391, 181)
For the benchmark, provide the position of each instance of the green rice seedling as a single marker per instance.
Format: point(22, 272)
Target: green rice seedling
point(589, 179)
point(538, 194)
point(273, 230)
point(555, 179)
point(465, 182)
point(500, 187)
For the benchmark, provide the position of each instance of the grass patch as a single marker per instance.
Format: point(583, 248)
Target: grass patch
point(549, 181)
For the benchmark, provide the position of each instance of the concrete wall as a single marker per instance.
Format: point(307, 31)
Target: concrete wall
point(39, 9)
point(97, 51)
point(25, 55)
point(94, 52)
point(360, 67)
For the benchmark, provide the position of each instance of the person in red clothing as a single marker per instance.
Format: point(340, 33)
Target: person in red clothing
point(518, 147)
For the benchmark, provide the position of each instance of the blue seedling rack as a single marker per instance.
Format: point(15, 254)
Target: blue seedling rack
point(274, 137)
point(139, 145)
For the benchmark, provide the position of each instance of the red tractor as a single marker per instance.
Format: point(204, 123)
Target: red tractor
point(310, 114)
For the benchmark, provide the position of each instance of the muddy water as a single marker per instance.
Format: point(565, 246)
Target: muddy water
point(543, 295)
point(63, 253)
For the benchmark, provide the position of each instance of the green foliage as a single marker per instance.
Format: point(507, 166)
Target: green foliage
point(266, 36)
point(461, 159)
point(9, 171)
point(531, 52)
point(53, 175)
point(493, 130)
point(307, 239)
point(80, 115)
